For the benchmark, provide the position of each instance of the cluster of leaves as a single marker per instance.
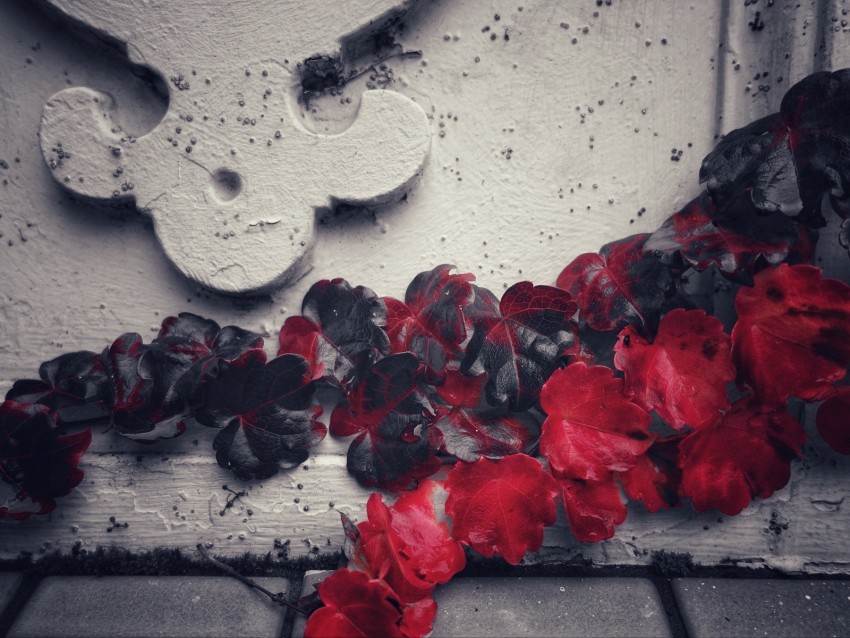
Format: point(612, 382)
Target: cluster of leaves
point(618, 378)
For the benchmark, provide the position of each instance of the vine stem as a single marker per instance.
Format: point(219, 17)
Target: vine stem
point(275, 598)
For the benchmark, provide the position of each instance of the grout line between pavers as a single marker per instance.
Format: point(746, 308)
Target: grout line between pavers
point(296, 582)
point(670, 605)
point(29, 583)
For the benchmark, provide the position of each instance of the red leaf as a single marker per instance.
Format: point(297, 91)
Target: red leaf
point(355, 606)
point(594, 508)
point(391, 414)
point(682, 374)
point(656, 478)
point(469, 433)
point(833, 421)
point(406, 546)
point(431, 322)
point(621, 284)
point(745, 454)
point(792, 337)
point(501, 505)
point(417, 619)
point(521, 349)
point(35, 460)
point(591, 428)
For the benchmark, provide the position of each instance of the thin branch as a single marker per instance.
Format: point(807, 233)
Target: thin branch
point(275, 598)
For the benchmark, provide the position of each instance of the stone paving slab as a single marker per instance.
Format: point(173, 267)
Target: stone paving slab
point(719, 607)
point(142, 606)
point(564, 607)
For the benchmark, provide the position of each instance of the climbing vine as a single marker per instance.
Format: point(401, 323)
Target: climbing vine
point(617, 381)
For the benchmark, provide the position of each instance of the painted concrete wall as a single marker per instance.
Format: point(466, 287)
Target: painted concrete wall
point(546, 142)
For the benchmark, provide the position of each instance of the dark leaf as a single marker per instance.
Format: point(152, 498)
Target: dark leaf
point(521, 349)
point(67, 383)
point(390, 414)
point(37, 462)
point(792, 337)
point(346, 322)
point(755, 160)
point(266, 412)
point(501, 505)
point(470, 432)
point(622, 284)
point(815, 112)
point(734, 242)
point(745, 454)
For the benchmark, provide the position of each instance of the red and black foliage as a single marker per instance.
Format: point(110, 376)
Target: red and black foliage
point(469, 427)
point(339, 324)
point(266, 413)
point(453, 374)
point(431, 322)
point(37, 461)
point(521, 348)
point(389, 412)
point(624, 283)
point(67, 383)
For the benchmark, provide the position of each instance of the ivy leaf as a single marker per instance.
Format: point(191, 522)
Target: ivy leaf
point(682, 374)
point(501, 505)
point(592, 428)
point(815, 112)
point(431, 321)
point(390, 414)
point(733, 242)
point(417, 619)
point(468, 432)
point(622, 284)
point(655, 479)
point(38, 462)
point(755, 160)
point(520, 349)
point(833, 421)
point(594, 508)
point(146, 403)
point(265, 411)
point(339, 323)
point(67, 383)
point(406, 546)
point(355, 606)
point(745, 454)
point(792, 337)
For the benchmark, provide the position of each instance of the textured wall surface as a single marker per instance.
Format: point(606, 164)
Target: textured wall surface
point(547, 141)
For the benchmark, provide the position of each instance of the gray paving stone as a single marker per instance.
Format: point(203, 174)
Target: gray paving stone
point(142, 606)
point(721, 607)
point(9, 582)
point(565, 607)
